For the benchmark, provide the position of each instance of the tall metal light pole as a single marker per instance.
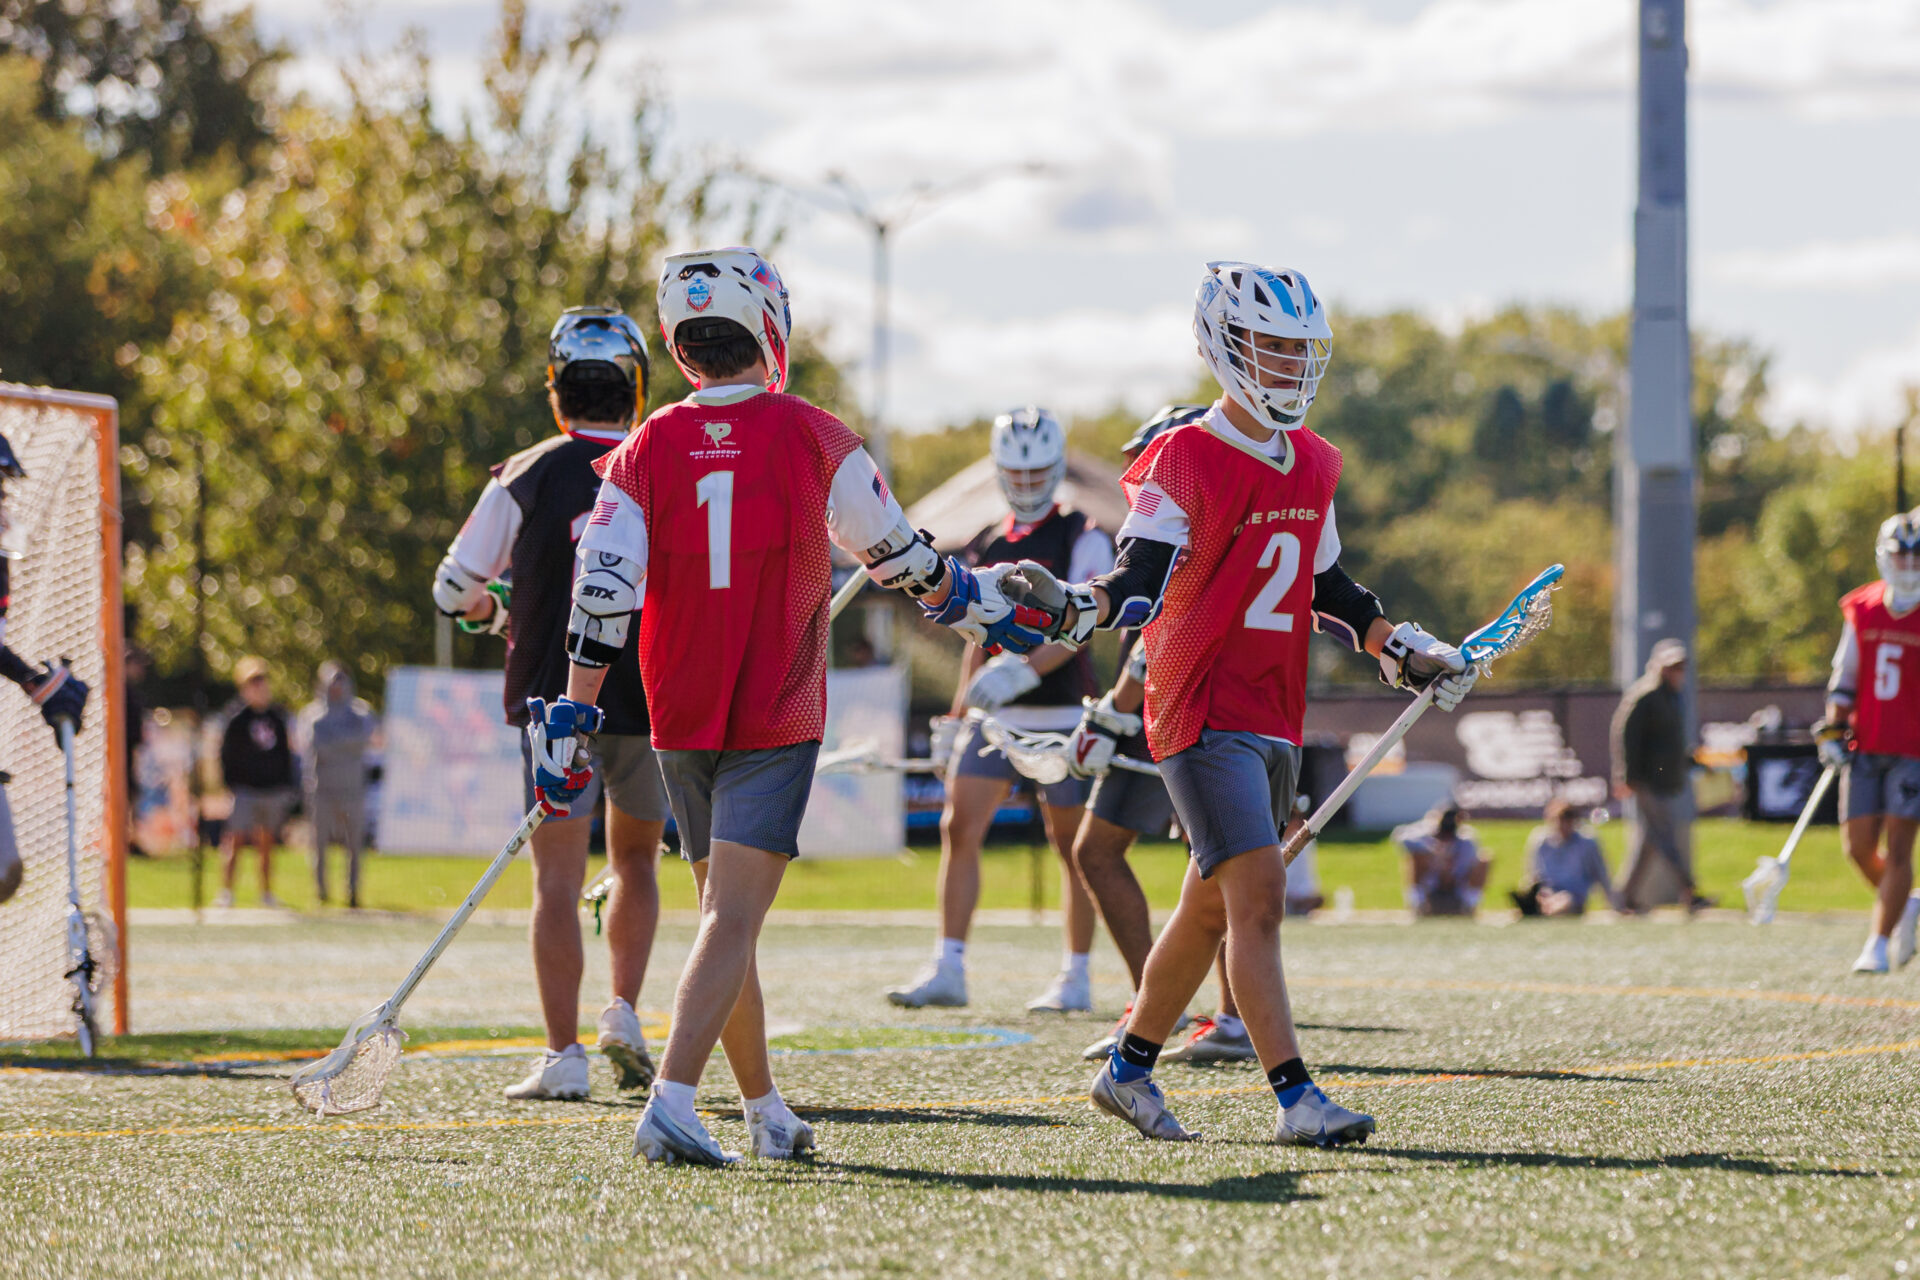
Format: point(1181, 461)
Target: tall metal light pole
point(1654, 455)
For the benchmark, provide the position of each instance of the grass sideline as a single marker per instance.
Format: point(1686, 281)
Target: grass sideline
point(1724, 851)
point(1631, 1099)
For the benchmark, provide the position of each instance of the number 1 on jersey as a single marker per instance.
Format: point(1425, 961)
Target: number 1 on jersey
point(715, 493)
point(1260, 614)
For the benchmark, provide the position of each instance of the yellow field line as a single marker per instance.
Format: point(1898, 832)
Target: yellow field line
point(1341, 1082)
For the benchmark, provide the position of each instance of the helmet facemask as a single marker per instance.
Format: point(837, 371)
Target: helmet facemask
point(1896, 553)
point(1029, 450)
point(1265, 338)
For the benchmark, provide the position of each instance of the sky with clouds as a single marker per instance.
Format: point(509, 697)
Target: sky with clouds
point(1444, 155)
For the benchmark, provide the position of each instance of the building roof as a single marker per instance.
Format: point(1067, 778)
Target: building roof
point(971, 500)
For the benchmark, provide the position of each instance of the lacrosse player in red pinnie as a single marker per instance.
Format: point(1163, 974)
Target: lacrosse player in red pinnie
point(1228, 559)
point(719, 513)
point(1873, 704)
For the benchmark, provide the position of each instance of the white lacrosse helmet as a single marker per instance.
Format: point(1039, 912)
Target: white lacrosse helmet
point(1238, 303)
point(734, 284)
point(1029, 449)
point(1896, 553)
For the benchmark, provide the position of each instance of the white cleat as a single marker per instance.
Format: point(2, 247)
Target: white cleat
point(1212, 1043)
point(779, 1135)
point(1903, 934)
point(1140, 1103)
point(557, 1077)
point(625, 1046)
point(941, 985)
point(1066, 994)
point(664, 1140)
point(1873, 956)
point(1318, 1121)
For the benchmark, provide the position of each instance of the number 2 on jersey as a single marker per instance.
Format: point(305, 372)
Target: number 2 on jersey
point(715, 492)
point(1260, 614)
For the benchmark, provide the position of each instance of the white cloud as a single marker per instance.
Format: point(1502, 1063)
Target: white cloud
point(1874, 263)
point(1869, 392)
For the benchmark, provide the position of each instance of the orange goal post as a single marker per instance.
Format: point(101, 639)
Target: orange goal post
point(65, 603)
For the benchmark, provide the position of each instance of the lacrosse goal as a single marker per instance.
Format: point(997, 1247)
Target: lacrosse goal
point(65, 518)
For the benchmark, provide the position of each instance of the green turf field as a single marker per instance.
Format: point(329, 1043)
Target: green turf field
point(1724, 852)
point(1643, 1098)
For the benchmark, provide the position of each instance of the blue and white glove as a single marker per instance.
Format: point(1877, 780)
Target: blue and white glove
point(1000, 681)
point(978, 610)
point(557, 734)
point(944, 739)
point(1413, 659)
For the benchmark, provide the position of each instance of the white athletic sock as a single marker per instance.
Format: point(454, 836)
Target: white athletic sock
point(676, 1100)
point(770, 1102)
point(1229, 1024)
point(951, 951)
point(1076, 965)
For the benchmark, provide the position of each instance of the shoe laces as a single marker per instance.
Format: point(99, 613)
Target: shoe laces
point(1202, 1027)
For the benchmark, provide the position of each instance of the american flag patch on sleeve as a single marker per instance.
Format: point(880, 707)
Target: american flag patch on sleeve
point(1146, 501)
point(880, 488)
point(603, 511)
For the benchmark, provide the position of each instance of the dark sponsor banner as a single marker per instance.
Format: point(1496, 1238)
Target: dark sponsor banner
point(1516, 751)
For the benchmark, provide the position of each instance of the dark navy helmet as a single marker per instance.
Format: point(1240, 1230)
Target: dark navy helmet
point(599, 344)
point(1169, 416)
point(10, 468)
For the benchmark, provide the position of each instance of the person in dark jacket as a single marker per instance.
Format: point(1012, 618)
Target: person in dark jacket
point(1652, 770)
point(256, 763)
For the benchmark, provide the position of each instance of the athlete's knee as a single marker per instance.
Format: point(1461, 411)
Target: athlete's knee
point(1258, 901)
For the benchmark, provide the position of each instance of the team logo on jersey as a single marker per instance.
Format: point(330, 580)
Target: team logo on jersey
point(718, 432)
point(699, 294)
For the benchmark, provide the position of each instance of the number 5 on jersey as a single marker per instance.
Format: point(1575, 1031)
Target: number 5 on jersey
point(1886, 672)
point(715, 492)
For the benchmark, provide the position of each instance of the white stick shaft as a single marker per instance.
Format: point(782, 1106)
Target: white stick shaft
point(1132, 765)
point(1806, 814)
point(844, 596)
point(1358, 774)
point(535, 816)
point(73, 820)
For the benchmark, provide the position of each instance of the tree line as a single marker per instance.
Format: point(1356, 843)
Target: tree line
point(325, 319)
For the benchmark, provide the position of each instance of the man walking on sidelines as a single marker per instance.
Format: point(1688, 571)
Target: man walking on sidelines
point(522, 531)
point(1228, 555)
point(718, 514)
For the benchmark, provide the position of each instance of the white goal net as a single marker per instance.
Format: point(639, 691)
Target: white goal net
point(65, 602)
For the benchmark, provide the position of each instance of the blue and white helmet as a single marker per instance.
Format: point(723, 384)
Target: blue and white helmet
point(1237, 304)
point(1029, 450)
point(1896, 553)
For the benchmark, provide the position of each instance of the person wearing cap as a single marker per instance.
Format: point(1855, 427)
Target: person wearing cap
point(256, 763)
point(1652, 770)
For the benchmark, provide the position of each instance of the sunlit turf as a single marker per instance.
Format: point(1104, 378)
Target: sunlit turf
point(1608, 1099)
point(1725, 851)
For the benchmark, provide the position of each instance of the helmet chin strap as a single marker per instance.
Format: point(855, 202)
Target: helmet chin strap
point(1903, 592)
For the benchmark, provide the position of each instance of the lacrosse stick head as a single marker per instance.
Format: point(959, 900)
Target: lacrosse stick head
point(1530, 613)
point(1762, 890)
point(352, 1076)
point(861, 757)
point(1041, 757)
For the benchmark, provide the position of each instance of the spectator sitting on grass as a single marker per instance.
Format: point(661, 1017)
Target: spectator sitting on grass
point(1563, 866)
point(256, 763)
point(1446, 872)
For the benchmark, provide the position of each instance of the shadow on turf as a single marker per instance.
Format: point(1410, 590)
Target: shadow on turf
point(137, 1067)
point(1339, 1026)
point(1480, 1073)
point(1275, 1186)
point(913, 1115)
point(1718, 1160)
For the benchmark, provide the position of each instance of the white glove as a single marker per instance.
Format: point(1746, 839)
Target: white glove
point(1448, 690)
point(1831, 742)
point(1413, 659)
point(946, 737)
point(1000, 681)
point(1090, 748)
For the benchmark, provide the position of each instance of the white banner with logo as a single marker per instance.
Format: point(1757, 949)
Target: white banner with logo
point(452, 776)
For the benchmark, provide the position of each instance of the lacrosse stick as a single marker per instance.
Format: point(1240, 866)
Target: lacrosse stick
point(1530, 613)
point(351, 1077)
point(87, 971)
point(866, 758)
point(1763, 887)
point(1041, 757)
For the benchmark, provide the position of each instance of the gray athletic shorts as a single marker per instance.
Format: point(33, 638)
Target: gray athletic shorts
point(1233, 791)
point(1137, 801)
point(755, 798)
point(258, 808)
point(1070, 793)
point(1876, 785)
point(624, 770)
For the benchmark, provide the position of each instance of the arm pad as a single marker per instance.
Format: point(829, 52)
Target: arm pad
point(905, 560)
point(1138, 582)
point(1342, 608)
point(605, 594)
point(456, 589)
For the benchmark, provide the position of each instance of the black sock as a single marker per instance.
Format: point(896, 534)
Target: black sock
point(1287, 1078)
point(1139, 1053)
